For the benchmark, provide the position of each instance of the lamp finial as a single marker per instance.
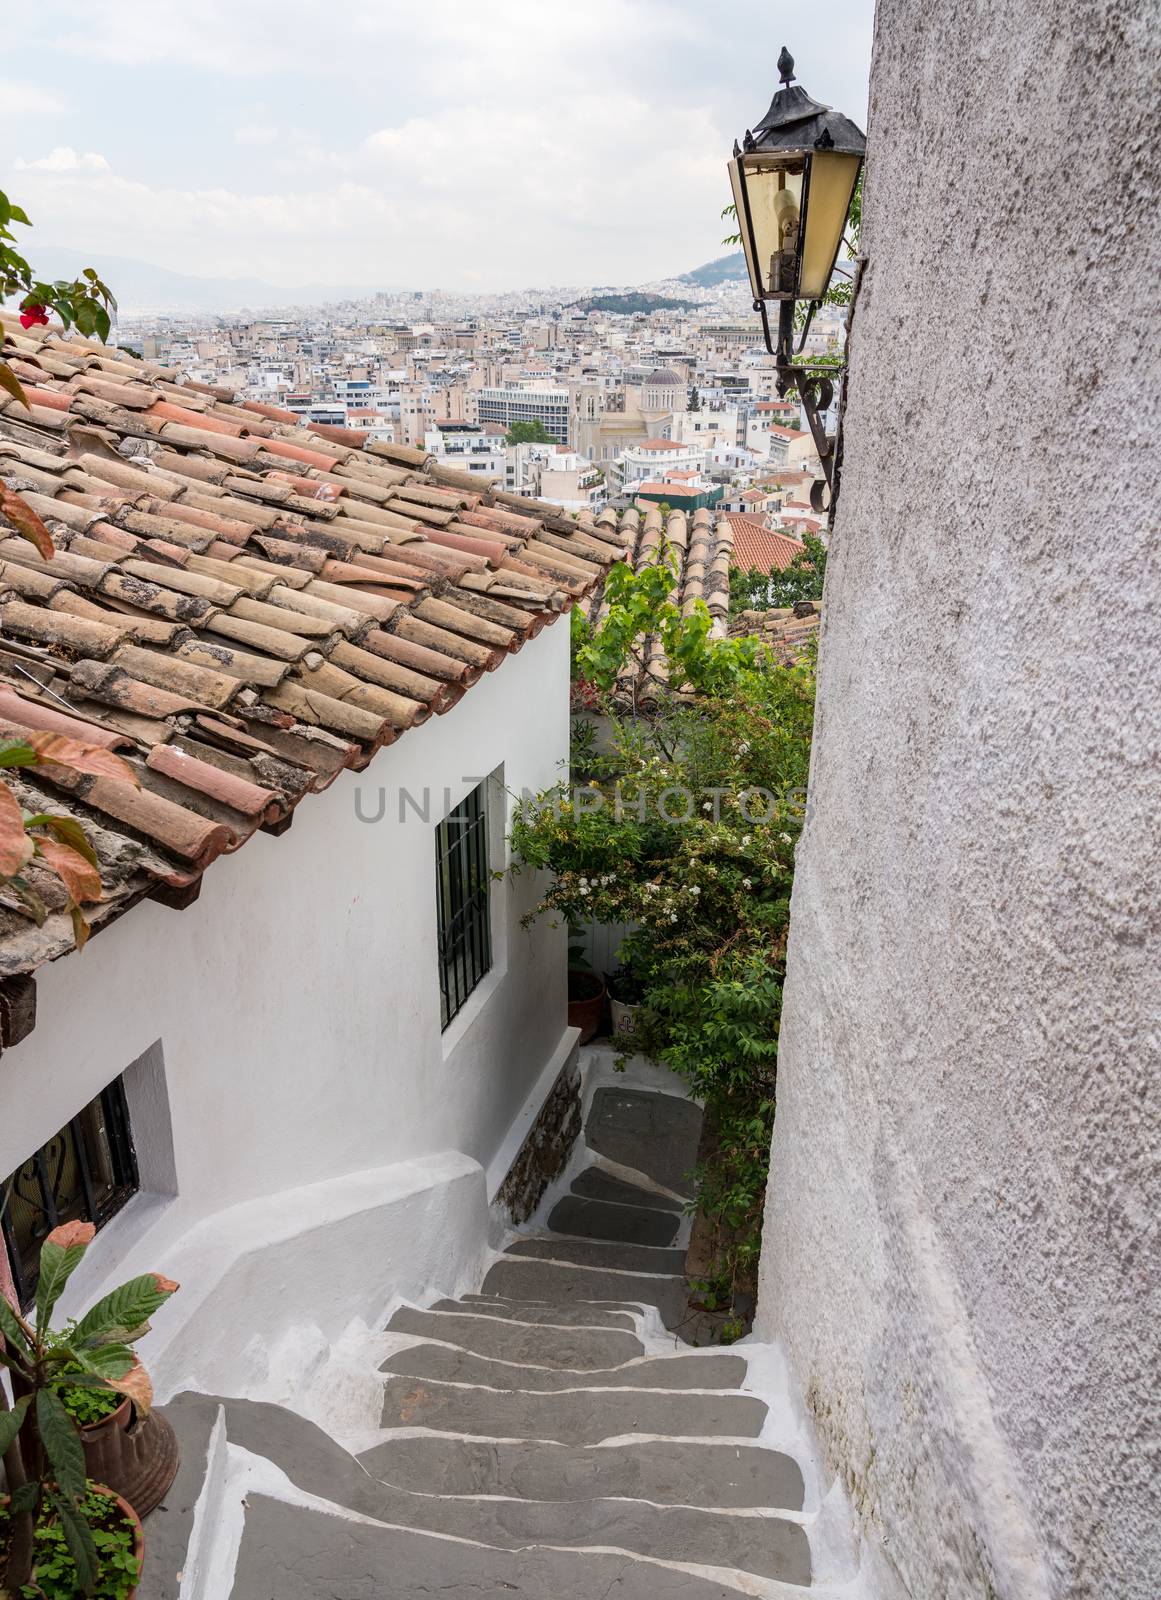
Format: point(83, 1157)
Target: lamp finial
point(786, 65)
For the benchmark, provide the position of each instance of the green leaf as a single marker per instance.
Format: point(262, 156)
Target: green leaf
point(124, 1309)
point(57, 1265)
point(105, 1361)
point(12, 1421)
point(79, 1539)
point(62, 1443)
point(24, 1499)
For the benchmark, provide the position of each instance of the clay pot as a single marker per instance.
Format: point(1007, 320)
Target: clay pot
point(586, 1001)
point(130, 1516)
point(136, 1456)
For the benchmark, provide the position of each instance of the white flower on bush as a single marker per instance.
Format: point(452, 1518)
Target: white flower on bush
point(743, 747)
point(747, 883)
point(786, 839)
point(694, 890)
point(673, 916)
point(746, 838)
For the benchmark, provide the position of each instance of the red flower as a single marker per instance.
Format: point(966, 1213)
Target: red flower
point(31, 315)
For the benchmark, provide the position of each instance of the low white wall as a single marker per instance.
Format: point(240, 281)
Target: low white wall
point(290, 1018)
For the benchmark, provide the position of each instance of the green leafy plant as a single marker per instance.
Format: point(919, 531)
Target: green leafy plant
point(114, 1539)
point(83, 303)
point(689, 839)
point(40, 1442)
point(533, 432)
point(802, 580)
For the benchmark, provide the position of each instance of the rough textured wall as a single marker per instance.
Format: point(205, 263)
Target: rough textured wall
point(963, 1207)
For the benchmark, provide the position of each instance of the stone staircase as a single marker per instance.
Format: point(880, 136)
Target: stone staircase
point(551, 1435)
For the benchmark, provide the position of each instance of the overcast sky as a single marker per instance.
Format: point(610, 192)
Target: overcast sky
point(457, 145)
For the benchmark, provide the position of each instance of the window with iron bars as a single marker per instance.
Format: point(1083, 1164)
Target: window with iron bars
point(462, 892)
point(86, 1172)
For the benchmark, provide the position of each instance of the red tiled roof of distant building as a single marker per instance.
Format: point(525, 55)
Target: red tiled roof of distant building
point(787, 433)
point(660, 444)
point(759, 546)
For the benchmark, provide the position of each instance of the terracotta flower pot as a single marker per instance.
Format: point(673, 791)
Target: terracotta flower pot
point(586, 1001)
point(136, 1456)
point(130, 1516)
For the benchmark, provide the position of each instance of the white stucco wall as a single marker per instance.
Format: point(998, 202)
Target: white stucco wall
point(296, 1004)
point(961, 1247)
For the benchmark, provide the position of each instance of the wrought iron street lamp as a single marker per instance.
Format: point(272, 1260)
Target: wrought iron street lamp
point(793, 178)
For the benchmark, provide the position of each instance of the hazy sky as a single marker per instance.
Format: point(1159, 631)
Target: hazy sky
point(464, 144)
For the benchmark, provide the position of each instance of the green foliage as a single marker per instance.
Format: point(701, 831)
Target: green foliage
point(533, 432)
point(642, 605)
point(635, 303)
point(58, 1575)
point(687, 834)
point(82, 303)
point(803, 579)
point(694, 399)
point(69, 1376)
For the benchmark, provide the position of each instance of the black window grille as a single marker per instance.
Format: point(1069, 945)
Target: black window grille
point(462, 889)
point(86, 1173)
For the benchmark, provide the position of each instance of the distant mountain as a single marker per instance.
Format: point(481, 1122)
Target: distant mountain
point(726, 269)
point(145, 290)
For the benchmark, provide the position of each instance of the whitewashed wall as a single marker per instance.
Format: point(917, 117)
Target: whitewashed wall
point(290, 1018)
point(961, 1244)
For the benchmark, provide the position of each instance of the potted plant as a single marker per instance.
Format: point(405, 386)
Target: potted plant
point(63, 1536)
point(626, 991)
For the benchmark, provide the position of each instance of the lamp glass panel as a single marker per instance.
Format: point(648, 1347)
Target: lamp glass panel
point(832, 182)
point(774, 190)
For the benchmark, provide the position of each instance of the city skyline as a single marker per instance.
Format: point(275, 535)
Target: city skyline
point(471, 149)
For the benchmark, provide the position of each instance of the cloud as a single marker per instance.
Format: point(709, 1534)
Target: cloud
point(64, 159)
point(29, 100)
point(495, 147)
point(255, 133)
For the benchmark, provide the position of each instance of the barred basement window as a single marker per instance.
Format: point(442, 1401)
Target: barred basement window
point(462, 889)
point(86, 1172)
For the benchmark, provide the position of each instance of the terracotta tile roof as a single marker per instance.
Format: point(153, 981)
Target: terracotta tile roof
point(660, 444)
point(784, 630)
point(704, 549)
point(755, 545)
point(241, 604)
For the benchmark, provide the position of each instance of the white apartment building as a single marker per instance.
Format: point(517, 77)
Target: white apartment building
point(654, 459)
point(707, 427)
point(468, 447)
point(525, 402)
point(562, 477)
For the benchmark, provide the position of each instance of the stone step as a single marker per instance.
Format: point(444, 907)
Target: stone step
point(672, 1472)
point(577, 1416)
point(594, 1183)
point(656, 1134)
point(515, 1279)
point(590, 1349)
point(541, 1313)
point(599, 1253)
point(661, 1372)
point(302, 1554)
point(316, 1464)
point(596, 1219)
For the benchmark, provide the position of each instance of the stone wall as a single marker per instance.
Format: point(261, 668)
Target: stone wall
point(964, 1197)
point(547, 1148)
